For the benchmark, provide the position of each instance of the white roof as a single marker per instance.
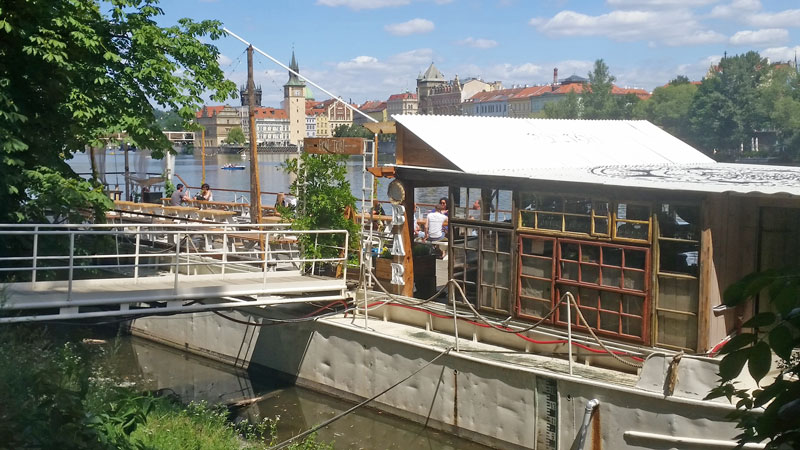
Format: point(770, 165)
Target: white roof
point(482, 145)
point(622, 153)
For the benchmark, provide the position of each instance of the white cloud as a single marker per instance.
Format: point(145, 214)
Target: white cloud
point(736, 9)
point(360, 62)
point(478, 43)
point(673, 27)
point(363, 4)
point(781, 53)
point(223, 60)
point(655, 4)
point(413, 26)
point(769, 36)
point(787, 18)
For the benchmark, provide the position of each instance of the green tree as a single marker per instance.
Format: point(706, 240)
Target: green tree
point(324, 195)
point(776, 331)
point(352, 130)
point(169, 120)
point(235, 136)
point(679, 80)
point(668, 108)
point(598, 102)
point(779, 100)
point(71, 75)
point(567, 108)
point(724, 113)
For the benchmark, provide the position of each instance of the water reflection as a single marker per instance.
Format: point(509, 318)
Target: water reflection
point(156, 367)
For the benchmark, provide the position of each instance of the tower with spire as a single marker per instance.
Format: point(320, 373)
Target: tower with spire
point(294, 101)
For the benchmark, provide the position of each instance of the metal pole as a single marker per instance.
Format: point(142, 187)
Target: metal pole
point(569, 330)
point(455, 315)
point(128, 194)
point(35, 253)
point(136, 257)
point(203, 152)
point(255, 186)
point(71, 260)
point(177, 257)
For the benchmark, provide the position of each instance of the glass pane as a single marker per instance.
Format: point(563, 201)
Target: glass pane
point(589, 314)
point(609, 322)
point(528, 201)
point(534, 308)
point(503, 270)
point(590, 253)
point(503, 300)
point(601, 226)
point(631, 326)
point(503, 241)
point(535, 288)
point(635, 259)
point(488, 240)
point(537, 247)
point(577, 224)
point(578, 206)
point(677, 329)
point(547, 221)
point(678, 294)
point(612, 277)
point(487, 297)
point(630, 230)
point(634, 280)
point(503, 206)
point(590, 274)
point(610, 301)
point(527, 219)
point(569, 270)
point(551, 204)
point(679, 257)
point(488, 268)
point(679, 221)
point(472, 238)
point(537, 267)
point(612, 256)
point(589, 297)
point(569, 251)
point(635, 212)
point(632, 304)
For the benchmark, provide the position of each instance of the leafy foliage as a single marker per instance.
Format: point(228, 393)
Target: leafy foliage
point(320, 184)
point(71, 75)
point(169, 120)
point(236, 136)
point(669, 105)
point(568, 108)
point(775, 331)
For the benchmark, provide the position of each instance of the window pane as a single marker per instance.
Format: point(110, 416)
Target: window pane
point(601, 226)
point(488, 268)
point(503, 241)
point(503, 302)
point(578, 206)
point(677, 329)
point(569, 251)
point(633, 305)
point(488, 240)
point(609, 322)
point(679, 257)
point(535, 288)
point(600, 208)
point(537, 267)
point(630, 230)
point(503, 269)
point(635, 259)
point(679, 294)
point(679, 221)
point(612, 256)
point(577, 224)
point(590, 253)
point(590, 274)
point(634, 280)
point(487, 297)
point(527, 219)
point(534, 308)
point(549, 221)
point(631, 326)
point(612, 277)
point(633, 212)
point(569, 270)
point(537, 247)
point(610, 301)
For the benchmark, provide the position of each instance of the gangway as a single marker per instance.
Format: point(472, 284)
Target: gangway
point(53, 272)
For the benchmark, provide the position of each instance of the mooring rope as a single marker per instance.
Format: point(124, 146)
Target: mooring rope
point(339, 416)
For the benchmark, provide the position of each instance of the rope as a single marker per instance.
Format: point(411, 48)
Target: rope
point(339, 416)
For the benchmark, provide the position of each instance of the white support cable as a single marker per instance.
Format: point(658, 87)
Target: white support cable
point(351, 107)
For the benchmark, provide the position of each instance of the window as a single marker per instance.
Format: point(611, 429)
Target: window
point(482, 265)
point(564, 214)
point(632, 222)
point(609, 283)
point(678, 275)
point(488, 205)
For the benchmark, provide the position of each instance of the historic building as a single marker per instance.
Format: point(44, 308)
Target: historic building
point(294, 102)
point(405, 103)
point(373, 108)
point(439, 96)
point(217, 121)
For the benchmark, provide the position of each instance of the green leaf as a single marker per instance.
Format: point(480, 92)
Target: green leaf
point(738, 341)
point(787, 298)
point(732, 364)
point(760, 360)
point(782, 342)
point(760, 320)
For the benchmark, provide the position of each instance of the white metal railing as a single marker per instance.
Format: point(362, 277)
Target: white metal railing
point(66, 252)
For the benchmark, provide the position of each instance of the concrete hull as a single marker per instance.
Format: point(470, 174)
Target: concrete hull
point(482, 398)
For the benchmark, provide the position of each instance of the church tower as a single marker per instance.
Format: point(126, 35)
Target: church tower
point(294, 100)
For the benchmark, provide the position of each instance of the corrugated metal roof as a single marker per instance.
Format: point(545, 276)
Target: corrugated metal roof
point(709, 177)
point(483, 145)
point(623, 153)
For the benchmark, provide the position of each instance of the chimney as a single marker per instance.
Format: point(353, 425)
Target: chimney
point(555, 75)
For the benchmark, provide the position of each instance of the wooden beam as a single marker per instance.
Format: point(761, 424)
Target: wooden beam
point(382, 172)
point(381, 127)
point(336, 146)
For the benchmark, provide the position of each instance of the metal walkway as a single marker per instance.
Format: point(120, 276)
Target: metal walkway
point(86, 271)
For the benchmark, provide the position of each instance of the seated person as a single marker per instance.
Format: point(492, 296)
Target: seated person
point(178, 196)
point(377, 210)
point(205, 193)
point(434, 225)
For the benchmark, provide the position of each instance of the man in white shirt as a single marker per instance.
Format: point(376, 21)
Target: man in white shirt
point(434, 223)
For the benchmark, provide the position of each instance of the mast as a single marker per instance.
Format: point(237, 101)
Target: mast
point(255, 185)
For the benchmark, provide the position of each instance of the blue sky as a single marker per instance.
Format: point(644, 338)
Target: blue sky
point(370, 49)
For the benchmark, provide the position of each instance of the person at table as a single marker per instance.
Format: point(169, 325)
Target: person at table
point(205, 193)
point(377, 210)
point(280, 200)
point(179, 196)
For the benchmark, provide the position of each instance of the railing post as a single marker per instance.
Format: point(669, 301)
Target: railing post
point(346, 255)
point(71, 260)
point(267, 254)
point(177, 257)
point(224, 249)
point(569, 331)
point(316, 247)
point(455, 315)
point(35, 254)
point(136, 257)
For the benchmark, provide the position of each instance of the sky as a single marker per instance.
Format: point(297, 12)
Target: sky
point(370, 49)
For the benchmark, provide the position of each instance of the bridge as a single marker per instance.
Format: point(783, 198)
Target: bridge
point(180, 137)
point(53, 272)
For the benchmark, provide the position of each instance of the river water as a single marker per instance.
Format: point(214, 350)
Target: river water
point(271, 175)
point(151, 366)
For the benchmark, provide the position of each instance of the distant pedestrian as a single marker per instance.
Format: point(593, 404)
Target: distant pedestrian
point(178, 196)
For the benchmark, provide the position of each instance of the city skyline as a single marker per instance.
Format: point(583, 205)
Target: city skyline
point(370, 49)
